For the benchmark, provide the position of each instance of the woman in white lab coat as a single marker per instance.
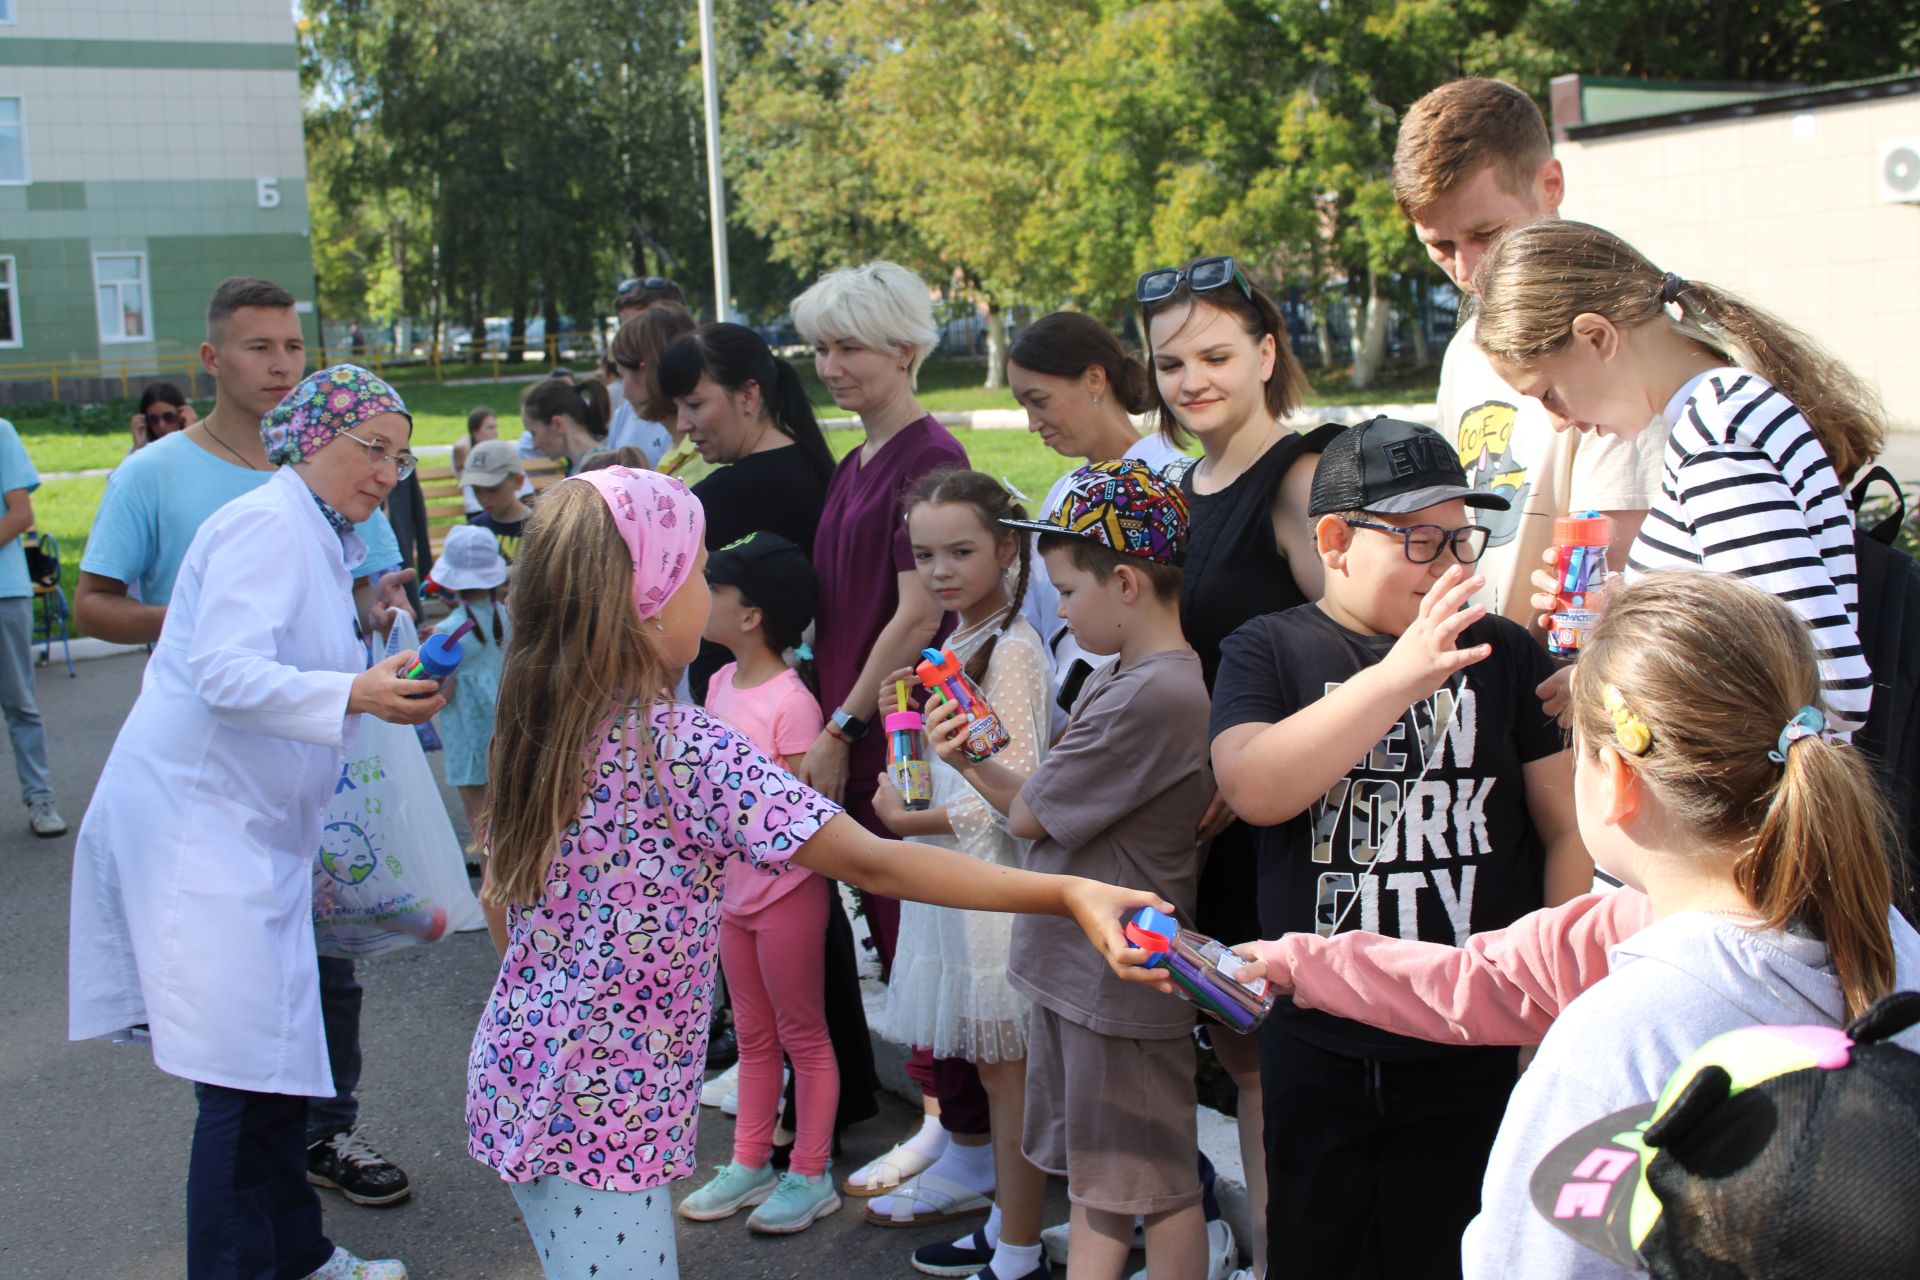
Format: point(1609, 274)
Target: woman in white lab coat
point(193, 873)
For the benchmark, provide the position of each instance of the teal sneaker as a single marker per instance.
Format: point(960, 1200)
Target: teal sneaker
point(732, 1188)
point(796, 1204)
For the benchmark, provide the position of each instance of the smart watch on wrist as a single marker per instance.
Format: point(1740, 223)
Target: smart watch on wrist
point(848, 726)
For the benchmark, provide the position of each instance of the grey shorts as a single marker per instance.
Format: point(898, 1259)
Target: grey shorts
point(1114, 1117)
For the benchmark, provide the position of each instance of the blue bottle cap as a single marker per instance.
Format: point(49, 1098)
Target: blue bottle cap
point(1152, 930)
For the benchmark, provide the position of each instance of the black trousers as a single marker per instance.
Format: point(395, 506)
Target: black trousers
point(251, 1214)
point(1374, 1168)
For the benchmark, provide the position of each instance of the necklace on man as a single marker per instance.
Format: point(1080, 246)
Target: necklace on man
point(230, 449)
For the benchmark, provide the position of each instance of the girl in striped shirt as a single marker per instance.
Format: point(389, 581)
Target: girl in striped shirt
point(1764, 427)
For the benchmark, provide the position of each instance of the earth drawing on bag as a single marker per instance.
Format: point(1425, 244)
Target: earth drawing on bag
point(346, 853)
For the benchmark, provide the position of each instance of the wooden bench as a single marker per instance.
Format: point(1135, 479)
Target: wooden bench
point(446, 507)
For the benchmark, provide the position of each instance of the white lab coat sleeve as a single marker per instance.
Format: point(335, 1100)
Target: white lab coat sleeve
point(249, 590)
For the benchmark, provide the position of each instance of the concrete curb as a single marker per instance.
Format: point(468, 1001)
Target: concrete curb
point(86, 649)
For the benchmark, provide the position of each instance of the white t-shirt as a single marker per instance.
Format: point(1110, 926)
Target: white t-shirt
point(1043, 602)
point(1508, 446)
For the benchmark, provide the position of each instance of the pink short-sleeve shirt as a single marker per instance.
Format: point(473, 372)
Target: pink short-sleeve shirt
point(587, 1061)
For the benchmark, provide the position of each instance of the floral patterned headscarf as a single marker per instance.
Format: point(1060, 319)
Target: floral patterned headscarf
point(321, 407)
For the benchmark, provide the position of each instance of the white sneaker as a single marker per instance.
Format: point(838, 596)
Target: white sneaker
point(1220, 1253)
point(1054, 1241)
point(716, 1090)
point(730, 1105)
point(344, 1266)
point(46, 820)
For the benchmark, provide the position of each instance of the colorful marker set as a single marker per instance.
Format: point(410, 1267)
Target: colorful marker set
point(1581, 566)
point(942, 672)
point(907, 765)
point(1205, 973)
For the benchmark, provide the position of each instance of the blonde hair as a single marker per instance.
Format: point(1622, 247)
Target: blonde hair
point(1452, 133)
point(577, 656)
point(1538, 278)
point(881, 304)
point(1713, 669)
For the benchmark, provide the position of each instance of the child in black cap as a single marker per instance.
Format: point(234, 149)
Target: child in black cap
point(1390, 747)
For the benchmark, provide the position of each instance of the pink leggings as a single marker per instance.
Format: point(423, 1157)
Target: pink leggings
point(775, 962)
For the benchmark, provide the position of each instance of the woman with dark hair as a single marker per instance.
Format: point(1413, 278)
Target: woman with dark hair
point(1080, 388)
point(746, 411)
point(566, 419)
point(163, 410)
point(1223, 372)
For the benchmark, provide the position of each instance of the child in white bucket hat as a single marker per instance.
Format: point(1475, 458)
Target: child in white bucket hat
point(471, 566)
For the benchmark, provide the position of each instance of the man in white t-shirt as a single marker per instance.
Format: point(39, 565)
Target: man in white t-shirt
point(1474, 160)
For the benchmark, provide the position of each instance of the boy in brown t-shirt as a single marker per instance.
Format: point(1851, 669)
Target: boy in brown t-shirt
point(1110, 1094)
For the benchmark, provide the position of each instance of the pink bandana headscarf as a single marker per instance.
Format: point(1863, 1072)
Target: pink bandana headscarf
point(662, 524)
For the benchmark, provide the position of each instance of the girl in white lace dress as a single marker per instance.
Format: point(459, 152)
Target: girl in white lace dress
point(949, 989)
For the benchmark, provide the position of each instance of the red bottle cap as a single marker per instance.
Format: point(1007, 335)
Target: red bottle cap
point(1590, 530)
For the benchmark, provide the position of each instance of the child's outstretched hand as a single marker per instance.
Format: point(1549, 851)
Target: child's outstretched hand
point(1428, 653)
point(1098, 909)
point(889, 806)
point(947, 731)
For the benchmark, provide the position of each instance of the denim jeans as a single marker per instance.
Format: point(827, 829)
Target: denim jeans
point(251, 1214)
point(340, 1015)
point(25, 728)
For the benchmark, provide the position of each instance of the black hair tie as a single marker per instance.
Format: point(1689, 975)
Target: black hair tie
point(1670, 287)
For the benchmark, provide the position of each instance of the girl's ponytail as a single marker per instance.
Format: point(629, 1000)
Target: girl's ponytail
point(599, 407)
point(1538, 278)
point(793, 413)
point(1842, 410)
point(1820, 860)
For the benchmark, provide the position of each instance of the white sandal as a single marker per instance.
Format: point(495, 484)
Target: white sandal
point(884, 1173)
point(930, 1199)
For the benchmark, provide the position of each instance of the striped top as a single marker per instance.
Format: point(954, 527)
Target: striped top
point(1748, 490)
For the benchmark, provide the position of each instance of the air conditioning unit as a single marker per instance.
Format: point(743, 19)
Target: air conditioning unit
point(1900, 170)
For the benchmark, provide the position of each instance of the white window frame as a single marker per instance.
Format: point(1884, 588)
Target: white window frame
point(26, 152)
point(12, 270)
point(146, 295)
point(7, 15)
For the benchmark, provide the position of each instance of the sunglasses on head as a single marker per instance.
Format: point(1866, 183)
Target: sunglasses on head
point(1203, 275)
point(642, 282)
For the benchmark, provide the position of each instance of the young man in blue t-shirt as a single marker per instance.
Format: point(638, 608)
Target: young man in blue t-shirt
point(25, 728)
point(155, 503)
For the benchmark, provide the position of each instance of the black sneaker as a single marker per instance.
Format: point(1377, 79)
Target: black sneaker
point(969, 1255)
point(347, 1164)
point(723, 1048)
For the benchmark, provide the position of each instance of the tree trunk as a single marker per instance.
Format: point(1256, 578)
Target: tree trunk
point(996, 348)
point(1323, 334)
point(1370, 342)
point(550, 312)
point(517, 334)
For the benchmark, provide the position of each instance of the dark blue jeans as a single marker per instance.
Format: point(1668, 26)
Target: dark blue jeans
point(340, 1013)
point(251, 1214)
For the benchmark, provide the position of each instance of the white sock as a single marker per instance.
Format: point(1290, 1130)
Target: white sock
point(931, 1141)
point(990, 1234)
point(971, 1167)
point(1015, 1261)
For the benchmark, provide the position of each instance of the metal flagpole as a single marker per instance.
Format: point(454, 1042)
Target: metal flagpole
point(716, 192)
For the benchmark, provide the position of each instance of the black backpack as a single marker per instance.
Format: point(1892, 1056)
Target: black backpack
point(1889, 583)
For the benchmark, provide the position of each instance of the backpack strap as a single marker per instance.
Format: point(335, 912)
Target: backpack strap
point(1887, 530)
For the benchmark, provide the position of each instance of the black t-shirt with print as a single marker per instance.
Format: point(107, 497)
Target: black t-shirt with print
point(507, 532)
point(1463, 859)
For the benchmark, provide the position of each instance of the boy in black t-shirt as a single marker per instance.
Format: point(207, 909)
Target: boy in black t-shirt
point(1388, 744)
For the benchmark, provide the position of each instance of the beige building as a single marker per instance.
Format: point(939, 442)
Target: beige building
point(1806, 201)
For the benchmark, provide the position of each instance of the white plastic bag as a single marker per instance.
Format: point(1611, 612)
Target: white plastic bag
point(389, 872)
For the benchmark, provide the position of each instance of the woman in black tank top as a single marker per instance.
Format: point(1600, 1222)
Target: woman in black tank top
point(1223, 371)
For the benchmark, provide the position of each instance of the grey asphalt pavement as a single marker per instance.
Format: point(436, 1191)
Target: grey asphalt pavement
point(93, 1163)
